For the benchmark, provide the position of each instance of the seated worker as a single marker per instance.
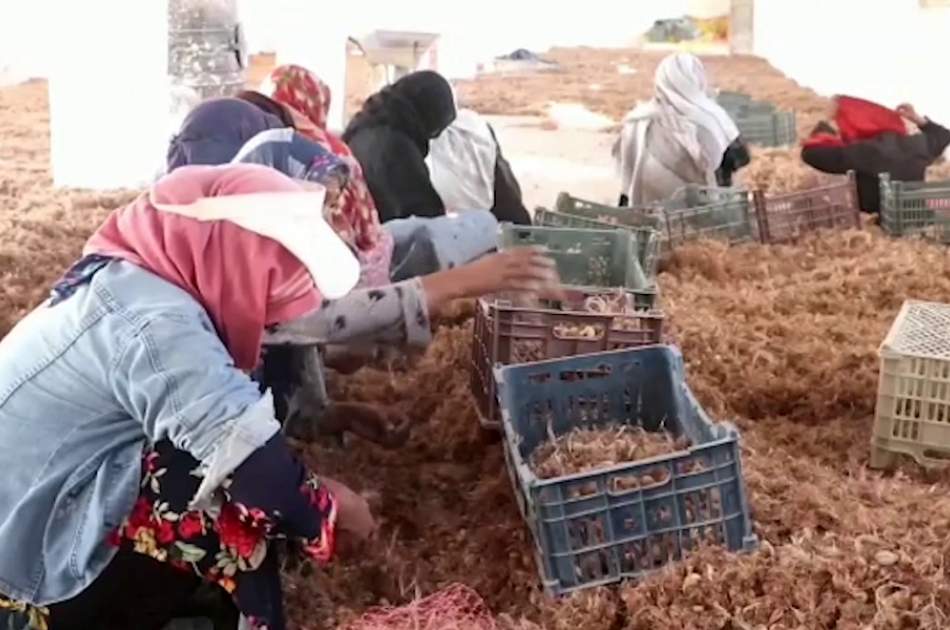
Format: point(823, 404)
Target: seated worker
point(214, 131)
point(416, 246)
point(681, 136)
point(140, 461)
point(390, 137)
point(870, 140)
point(469, 171)
point(394, 315)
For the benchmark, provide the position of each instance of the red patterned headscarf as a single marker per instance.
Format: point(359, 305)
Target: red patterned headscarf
point(354, 216)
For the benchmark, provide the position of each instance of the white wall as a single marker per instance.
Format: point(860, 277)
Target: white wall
point(26, 35)
point(884, 50)
point(109, 95)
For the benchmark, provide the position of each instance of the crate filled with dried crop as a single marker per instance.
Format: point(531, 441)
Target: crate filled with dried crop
point(617, 470)
point(915, 208)
point(507, 331)
point(591, 258)
point(912, 415)
point(785, 218)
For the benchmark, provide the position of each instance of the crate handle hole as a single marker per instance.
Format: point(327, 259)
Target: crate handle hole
point(581, 375)
point(578, 332)
point(943, 456)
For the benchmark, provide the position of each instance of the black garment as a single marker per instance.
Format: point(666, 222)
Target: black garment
point(905, 158)
point(390, 138)
point(508, 206)
point(135, 591)
point(396, 174)
point(267, 105)
point(736, 157)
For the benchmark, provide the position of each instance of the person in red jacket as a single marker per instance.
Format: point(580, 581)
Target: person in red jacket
point(870, 140)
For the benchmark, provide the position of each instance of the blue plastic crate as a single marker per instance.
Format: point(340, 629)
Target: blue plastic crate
point(604, 526)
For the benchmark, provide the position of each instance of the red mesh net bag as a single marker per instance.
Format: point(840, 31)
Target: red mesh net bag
point(454, 608)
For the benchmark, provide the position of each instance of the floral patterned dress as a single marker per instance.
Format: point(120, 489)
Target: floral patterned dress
point(231, 543)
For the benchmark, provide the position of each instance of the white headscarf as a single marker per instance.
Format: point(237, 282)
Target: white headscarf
point(683, 107)
point(682, 104)
point(462, 163)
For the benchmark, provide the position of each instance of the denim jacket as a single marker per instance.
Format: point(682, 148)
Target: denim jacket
point(85, 385)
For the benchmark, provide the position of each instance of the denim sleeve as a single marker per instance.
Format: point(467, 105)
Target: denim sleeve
point(176, 377)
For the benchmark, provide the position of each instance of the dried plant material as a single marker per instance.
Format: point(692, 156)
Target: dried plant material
point(532, 94)
point(782, 340)
point(454, 608)
point(585, 449)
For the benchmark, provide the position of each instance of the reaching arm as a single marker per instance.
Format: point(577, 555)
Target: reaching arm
point(396, 314)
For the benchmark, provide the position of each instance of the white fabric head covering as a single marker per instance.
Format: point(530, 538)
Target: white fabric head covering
point(683, 105)
point(462, 163)
point(688, 114)
point(290, 219)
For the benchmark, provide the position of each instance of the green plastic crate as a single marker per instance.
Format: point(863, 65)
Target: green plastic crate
point(768, 129)
point(614, 216)
point(586, 258)
point(648, 238)
point(697, 212)
point(915, 208)
point(730, 101)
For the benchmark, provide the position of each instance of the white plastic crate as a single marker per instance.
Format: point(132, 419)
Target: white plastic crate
point(913, 401)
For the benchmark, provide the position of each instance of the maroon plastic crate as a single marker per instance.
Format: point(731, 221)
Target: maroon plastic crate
point(506, 334)
point(785, 218)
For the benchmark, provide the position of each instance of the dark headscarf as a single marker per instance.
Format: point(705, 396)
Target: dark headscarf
point(420, 104)
point(268, 105)
point(215, 131)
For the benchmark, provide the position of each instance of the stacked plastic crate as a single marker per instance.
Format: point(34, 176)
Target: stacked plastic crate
point(610, 302)
point(759, 122)
point(593, 359)
point(916, 209)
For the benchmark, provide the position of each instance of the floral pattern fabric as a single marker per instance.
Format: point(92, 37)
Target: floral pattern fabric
point(229, 544)
point(354, 215)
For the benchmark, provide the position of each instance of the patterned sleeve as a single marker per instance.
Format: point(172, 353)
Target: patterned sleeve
point(396, 314)
point(273, 492)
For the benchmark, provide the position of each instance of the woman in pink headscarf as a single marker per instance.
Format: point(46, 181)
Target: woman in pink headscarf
point(150, 463)
point(141, 463)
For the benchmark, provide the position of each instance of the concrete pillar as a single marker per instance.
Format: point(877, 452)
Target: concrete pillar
point(109, 93)
point(742, 27)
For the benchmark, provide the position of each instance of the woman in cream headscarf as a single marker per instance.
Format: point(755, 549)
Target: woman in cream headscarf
point(681, 136)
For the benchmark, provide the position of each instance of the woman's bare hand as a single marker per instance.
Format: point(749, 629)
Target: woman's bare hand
point(524, 270)
point(907, 111)
point(354, 517)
